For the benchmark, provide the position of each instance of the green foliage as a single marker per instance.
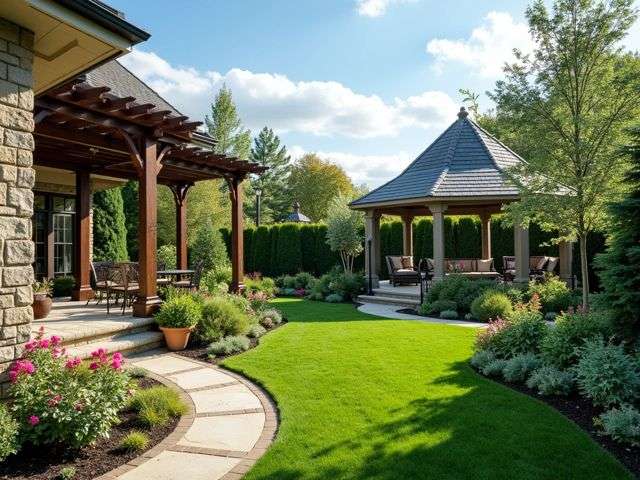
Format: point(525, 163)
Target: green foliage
point(209, 248)
point(268, 152)
point(62, 286)
point(135, 441)
point(449, 314)
point(520, 367)
point(109, 229)
point(8, 434)
point(221, 317)
point(131, 217)
point(314, 183)
point(494, 368)
point(549, 380)
point(560, 345)
point(437, 306)
point(265, 285)
point(455, 292)
point(67, 473)
point(606, 374)
point(481, 358)
point(155, 406)
point(256, 331)
point(288, 254)
point(524, 333)
point(262, 250)
point(269, 317)
point(619, 267)
point(216, 280)
point(226, 128)
point(346, 285)
point(334, 298)
point(554, 294)
point(622, 424)
point(344, 227)
point(229, 346)
point(490, 305)
point(303, 280)
point(60, 401)
point(181, 311)
point(167, 256)
point(137, 372)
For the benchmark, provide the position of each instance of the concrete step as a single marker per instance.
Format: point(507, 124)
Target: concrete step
point(396, 294)
point(124, 343)
point(385, 300)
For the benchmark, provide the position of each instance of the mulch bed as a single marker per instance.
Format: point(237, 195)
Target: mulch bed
point(199, 352)
point(42, 463)
point(582, 412)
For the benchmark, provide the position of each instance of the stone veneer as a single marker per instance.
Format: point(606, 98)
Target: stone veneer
point(16, 195)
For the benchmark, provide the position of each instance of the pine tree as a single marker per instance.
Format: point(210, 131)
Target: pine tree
point(268, 152)
point(109, 230)
point(226, 127)
point(619, 266)
point(208, 246)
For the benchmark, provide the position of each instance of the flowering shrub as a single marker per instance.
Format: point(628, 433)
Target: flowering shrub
point(257, 300)
point(61, 400)
point(491, 338)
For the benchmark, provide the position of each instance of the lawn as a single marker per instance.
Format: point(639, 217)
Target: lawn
point(364, 397)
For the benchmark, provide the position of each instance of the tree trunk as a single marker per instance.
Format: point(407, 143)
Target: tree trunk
point(584, 269)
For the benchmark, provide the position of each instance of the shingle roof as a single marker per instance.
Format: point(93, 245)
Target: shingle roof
point(464, 161)
point(123, 83)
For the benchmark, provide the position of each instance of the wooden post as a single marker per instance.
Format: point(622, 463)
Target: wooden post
point(82, 256)
point(485, 231)
point(237, 235)
point(147, 301)
point(407, 235)
point(180, 198)
point(372, 232)
point(521, 249)
point(437, 211)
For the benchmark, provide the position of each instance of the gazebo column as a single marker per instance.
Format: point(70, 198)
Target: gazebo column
point(146, 161)
point(372, 235)
point(521, 249)
point(180, 197)
point(82, 245)
point(565, 255)
point(407, 235)
point(485, 233)
point(437, 212)
point(237, 234)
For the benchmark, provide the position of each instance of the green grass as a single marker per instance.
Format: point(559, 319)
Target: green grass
point(362, 397)
point(157, 405)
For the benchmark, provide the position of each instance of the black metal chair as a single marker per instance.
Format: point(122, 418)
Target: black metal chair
point(194, 282)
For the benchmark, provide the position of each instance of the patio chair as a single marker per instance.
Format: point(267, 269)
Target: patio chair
point(162, 281)
point(402, 270)
point(194, 282)
point(126, 277)
point(100, 280)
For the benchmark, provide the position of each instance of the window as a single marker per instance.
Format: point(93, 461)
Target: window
point(53, 234)
point(62, 244)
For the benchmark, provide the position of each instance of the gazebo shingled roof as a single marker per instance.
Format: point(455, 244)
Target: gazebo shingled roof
point(465, 161)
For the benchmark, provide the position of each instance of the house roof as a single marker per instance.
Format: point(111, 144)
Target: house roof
point(297, 216)
point(464, 161)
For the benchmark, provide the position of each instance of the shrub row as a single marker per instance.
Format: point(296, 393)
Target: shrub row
point(286, 248)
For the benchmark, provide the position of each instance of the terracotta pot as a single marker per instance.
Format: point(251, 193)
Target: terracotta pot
point(41, 306)
point(176, 338)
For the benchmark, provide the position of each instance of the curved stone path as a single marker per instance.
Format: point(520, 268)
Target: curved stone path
point(390, 311)
point(230, 425)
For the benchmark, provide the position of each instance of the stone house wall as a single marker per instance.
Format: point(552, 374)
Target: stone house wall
point(16, 195)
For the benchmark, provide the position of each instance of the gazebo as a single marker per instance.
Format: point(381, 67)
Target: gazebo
point(463, 172)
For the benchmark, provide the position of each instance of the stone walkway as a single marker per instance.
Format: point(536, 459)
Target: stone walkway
point(390, 311)
point(230, 425)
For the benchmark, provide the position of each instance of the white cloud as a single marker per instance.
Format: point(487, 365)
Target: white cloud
point(375, 8)
point(323, 108)
point(487, 49)
point(372, 170)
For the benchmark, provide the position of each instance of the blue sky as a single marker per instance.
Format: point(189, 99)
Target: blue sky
point(366, 83)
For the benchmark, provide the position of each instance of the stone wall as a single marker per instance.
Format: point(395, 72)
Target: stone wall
point(16, 195)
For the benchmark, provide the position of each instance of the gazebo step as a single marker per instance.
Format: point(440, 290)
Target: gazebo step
point(127, 343)
point(386, 300)
point(388, 292)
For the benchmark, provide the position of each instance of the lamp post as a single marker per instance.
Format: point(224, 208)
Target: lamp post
point(258, 198)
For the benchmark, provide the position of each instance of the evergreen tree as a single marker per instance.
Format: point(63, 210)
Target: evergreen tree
point(226, 128)
point(109, 230)
point(132, 217)
point(208, 246)
point(619, 266)
point(268, 152)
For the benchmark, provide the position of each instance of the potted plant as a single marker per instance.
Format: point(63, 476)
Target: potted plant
point(42, 299)
point(177, 318)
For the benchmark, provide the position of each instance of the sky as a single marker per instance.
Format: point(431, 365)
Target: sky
point(368, 84)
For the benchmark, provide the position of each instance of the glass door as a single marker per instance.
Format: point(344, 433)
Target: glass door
point(62, 244)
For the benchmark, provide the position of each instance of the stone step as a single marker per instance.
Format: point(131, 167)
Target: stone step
point(396, 294)
point(385, 300)
point(124, 343)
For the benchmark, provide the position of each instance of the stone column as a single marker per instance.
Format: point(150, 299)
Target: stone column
point(485, 233)
point(372, 233)
point(407, 235)
point(437, 211)
point(565, 255)
point(521, 250)
point(16, 196)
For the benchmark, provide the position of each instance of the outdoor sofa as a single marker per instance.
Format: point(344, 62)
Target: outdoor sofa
point(471, 268)
point(539, 265)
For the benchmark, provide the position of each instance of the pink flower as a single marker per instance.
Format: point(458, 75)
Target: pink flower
point(34, 420)
point(55, 340)
point(55, 400)
point(117, 356)
point(72, 363)
point(44, 343)
point(94, 366)
point(30, 346)
point(116, 364)
point(78, 407)
point(21, 367)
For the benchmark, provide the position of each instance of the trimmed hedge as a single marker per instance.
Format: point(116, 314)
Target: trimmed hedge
point(289, 248)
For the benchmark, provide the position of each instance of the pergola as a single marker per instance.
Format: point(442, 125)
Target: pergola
point(93, 128)
point(463, 172)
